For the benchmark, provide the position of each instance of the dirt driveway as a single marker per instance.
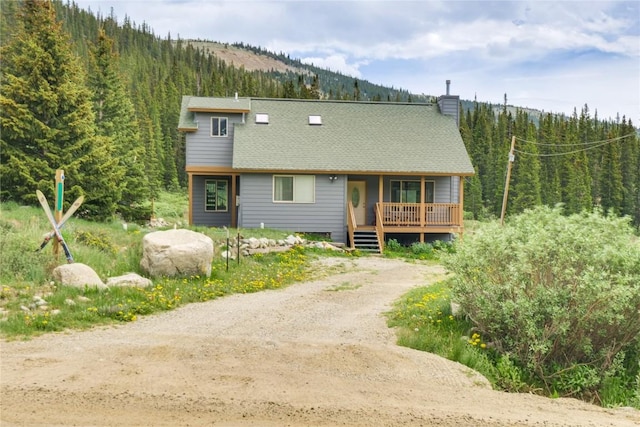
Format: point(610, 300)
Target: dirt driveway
point(313, 354)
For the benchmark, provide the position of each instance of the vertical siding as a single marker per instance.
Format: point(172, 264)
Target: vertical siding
point(199, 215)
point(450, 106)
point(326, 215)
point(204, 150)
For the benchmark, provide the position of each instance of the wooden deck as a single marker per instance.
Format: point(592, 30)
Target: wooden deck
point(411, 218)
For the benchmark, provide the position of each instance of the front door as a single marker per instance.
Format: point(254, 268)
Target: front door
point(356, 193)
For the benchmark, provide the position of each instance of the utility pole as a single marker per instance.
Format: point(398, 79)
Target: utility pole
point(512, 157)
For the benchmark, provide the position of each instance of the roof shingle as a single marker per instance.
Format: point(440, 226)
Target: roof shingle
point(353, 137)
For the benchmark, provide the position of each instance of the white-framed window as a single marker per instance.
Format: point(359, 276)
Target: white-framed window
point(404, 191)
point(294, 189)
point(216, 195)
point(219, 126)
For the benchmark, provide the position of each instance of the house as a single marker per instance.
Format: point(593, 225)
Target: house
point(361, 172)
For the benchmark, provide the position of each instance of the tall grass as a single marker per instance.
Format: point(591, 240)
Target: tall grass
point(31, 304)
point(425, 322)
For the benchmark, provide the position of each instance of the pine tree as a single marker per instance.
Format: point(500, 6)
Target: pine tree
point(611, 190)
point(575, 178)
point(526, 170)
point(630, 169)
point(551, 193)
point(116, 120)
point(46, 119)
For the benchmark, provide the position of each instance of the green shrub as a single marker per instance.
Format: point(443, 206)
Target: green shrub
point(421, 248)
point(96, 239)
point(559, 294)
point(393, 245)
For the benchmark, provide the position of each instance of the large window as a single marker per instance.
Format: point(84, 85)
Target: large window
point(219, 126)
point(409, 191)
point(216, 195)
point(294, 188)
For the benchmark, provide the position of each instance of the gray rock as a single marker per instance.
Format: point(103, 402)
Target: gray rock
point(131, 280)
point(176, 253)
point(77, 275)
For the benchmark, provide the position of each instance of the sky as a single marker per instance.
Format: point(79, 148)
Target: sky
point(548, 55)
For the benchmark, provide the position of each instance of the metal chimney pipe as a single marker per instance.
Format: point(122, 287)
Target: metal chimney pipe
point(448, 85)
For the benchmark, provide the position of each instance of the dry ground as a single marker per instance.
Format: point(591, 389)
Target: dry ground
point(313, 354)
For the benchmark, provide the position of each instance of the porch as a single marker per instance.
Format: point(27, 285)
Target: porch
point(414, 218)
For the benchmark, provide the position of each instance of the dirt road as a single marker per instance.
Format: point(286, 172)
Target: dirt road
point(313, 354)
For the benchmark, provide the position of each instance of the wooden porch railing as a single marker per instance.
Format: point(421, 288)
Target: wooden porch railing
point(416, 214)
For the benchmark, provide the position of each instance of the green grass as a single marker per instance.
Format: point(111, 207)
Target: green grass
point(425, 322)
point(112, 249)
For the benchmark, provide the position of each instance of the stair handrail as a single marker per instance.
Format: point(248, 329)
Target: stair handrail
point(351, 223)
point(379, 226)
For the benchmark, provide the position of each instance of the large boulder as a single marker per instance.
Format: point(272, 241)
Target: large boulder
point(176, 253)
point(77, 275)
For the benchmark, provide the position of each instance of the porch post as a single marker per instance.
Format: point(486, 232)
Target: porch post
point(190, 175)
point(233, 202)
point(461, 202)
point(423, 212)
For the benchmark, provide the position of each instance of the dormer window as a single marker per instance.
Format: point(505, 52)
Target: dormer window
point(315, 120)
point(262, 118)
point(219, 126)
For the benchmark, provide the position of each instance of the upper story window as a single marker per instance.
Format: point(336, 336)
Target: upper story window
point(219, 126)
point(294, 188)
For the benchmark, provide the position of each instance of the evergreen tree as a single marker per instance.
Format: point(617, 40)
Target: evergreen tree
point(575, 177)
point(116, 120)
point(526, 170)
point(611, 189)
point(630, 169)
point(46, 119)
point(473, 186)
point(551, 193)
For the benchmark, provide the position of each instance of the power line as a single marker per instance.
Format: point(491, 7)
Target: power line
point(560, 154)
point(587, 146)
point(575, 144)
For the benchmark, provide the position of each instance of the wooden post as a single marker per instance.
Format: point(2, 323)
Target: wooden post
point(506, 184)
point(59, 202)
point(461, 202)
point(234, 203)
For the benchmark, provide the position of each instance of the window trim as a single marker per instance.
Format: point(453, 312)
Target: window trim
point(294, 201)
point(219, 118)
point(226, 183)
point(411, 180)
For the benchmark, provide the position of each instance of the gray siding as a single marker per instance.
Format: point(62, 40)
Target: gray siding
point(326, 215)
point(199, 215)
point(204, 150)
point(450, 106)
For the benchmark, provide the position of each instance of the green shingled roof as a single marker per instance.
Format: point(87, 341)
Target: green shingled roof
point(353, 137)
point(186, 121)
point(198, 103)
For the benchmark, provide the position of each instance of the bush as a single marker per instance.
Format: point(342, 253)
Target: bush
point(559, 294)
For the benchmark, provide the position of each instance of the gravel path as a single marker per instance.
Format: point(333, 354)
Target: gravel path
point(313, 354)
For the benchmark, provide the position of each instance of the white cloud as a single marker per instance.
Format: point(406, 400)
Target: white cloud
point(337, 63)
point(487, 47)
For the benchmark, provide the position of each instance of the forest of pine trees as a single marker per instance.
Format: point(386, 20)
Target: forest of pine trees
point(100, 99)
